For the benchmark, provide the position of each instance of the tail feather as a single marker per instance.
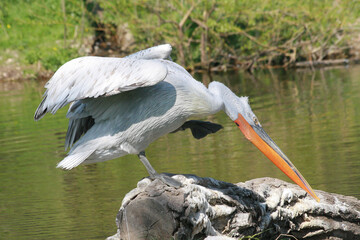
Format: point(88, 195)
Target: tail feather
point(74, 160)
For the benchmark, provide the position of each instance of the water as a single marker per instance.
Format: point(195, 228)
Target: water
point(313, 116)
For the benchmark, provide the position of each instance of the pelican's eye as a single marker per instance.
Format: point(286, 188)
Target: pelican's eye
point(256, 121)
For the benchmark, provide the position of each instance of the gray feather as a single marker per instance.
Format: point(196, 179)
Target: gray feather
point(40, 111)
point(77, 127)
point(200, 129)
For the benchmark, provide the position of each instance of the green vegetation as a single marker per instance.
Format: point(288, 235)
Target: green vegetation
point(35, 29)
point(205, 34)
point(221, 33)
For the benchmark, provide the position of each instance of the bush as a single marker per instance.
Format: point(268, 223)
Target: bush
point(259, 32)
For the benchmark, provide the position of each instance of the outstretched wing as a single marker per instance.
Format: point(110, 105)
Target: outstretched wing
point(92, 77)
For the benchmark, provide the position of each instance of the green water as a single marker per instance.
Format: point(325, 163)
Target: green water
point(313, 116)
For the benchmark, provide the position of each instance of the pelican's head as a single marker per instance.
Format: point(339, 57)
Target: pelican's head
point(239, 110)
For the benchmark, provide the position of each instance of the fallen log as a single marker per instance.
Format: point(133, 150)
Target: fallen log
point(322, 63)
point(205, 208)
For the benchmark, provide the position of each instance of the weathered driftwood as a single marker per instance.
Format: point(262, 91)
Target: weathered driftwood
point(205, 207)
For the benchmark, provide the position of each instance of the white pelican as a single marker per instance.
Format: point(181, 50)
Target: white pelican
point(120, 105)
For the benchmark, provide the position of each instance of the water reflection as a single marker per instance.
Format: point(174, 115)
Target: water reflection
point(313, 116)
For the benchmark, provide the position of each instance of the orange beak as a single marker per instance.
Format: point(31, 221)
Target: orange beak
point(267, 146)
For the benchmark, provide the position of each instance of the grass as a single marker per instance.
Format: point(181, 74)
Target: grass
point(35, 29)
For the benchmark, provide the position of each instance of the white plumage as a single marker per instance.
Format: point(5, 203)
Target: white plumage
point(121, 105)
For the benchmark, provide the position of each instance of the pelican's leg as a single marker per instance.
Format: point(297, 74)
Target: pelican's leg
point(154, 175)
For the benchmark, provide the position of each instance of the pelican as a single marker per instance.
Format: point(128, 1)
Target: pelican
point(118, 106)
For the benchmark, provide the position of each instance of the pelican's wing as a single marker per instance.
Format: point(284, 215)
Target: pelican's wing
point(92, 77)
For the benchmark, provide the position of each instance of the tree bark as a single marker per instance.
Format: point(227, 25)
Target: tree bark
point(205, 208)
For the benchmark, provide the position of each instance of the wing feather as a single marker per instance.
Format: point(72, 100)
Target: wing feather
point(92, 77)
point(157, 52)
